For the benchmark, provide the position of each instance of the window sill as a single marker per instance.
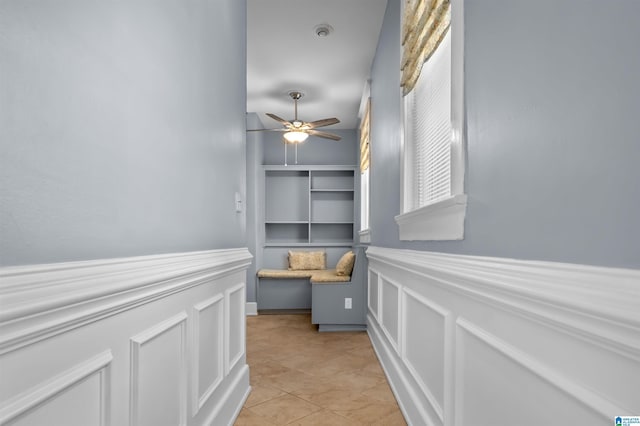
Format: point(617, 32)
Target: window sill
point(365, 236)
point(440, 221)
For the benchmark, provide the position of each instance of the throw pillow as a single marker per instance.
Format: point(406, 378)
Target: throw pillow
point(306, 260)
point(345, 264)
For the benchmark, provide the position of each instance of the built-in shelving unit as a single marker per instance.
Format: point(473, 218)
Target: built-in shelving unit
point(309, 206)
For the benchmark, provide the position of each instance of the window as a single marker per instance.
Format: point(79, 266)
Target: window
point(365, 126)
point(433, 202)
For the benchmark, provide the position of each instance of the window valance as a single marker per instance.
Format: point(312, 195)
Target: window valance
point(424, 24)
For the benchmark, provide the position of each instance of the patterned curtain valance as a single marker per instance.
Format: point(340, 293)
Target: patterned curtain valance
point(424, 24)
point(364, 138)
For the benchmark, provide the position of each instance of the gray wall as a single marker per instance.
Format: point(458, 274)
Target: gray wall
point(255, 210)
point(121, 128)
point(552, 103)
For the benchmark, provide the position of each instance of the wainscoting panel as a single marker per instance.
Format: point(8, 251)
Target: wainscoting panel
point(490, 381)
point(79, 396)
point(235, 330)
point(162, 327)
point(158, 398)
point(486, 340)
point(372, 292)
point(424, 345)
point(389, 303)
point(208, 345)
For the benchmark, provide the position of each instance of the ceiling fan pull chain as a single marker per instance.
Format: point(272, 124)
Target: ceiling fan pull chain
point(296, 153)
point(285, 153)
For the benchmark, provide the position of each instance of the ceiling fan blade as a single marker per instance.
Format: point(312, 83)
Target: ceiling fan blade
point(281, 120)
point(325, 135)
point(323, 122)
point(267, 130)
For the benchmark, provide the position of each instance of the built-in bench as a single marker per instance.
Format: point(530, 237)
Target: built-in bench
point(323, 291)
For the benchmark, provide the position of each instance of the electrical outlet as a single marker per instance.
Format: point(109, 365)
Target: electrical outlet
point(347, 303)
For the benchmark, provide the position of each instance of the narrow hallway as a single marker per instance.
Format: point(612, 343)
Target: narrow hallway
point(302, 377)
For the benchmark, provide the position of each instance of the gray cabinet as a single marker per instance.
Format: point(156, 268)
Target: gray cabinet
point(309, 206)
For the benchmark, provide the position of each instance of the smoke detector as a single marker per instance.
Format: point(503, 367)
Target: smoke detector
point(323, 30)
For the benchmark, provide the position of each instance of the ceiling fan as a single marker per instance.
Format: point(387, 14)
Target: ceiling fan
point(296, 130)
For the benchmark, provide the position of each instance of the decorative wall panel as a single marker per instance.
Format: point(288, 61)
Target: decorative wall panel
point(373, 293)
point(208, 345)
point(235, 323)
point(163, 326)
point(486, 340)
point(390, 308)
point(79, 396)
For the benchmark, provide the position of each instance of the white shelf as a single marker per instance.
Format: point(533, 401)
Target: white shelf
point(285, 222)
point(332, 190)
point(309, 206)
point(315, 244)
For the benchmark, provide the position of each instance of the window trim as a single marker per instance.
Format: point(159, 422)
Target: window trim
point(444, 219)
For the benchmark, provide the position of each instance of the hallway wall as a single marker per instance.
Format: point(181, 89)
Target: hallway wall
point(123, 128)
point(552, 100)
point(510, 321)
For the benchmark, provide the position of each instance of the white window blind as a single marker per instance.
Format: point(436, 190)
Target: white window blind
point(364, 199)
point(365, 139)
point(428, 129)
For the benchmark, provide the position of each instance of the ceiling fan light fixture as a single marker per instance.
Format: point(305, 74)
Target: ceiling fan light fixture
point(295, 136)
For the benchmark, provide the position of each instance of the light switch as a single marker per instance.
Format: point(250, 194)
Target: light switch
point(238, 203)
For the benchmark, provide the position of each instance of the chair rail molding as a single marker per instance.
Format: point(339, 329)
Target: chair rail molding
point(40, 301)
point(474, 330)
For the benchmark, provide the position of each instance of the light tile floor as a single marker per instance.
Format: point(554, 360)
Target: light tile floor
point(302, 377)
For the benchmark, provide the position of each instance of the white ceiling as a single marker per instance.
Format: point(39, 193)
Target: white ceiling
point(284, 54)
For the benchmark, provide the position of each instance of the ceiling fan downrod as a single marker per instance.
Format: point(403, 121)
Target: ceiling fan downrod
point(295, 95)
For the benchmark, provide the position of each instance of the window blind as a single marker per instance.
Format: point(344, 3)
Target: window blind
point(364, 138)
point(428, 109)
point(365, 155)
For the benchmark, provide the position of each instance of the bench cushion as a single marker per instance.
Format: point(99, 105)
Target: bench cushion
point(316, 275)
point(329, 276)
point(284, 273)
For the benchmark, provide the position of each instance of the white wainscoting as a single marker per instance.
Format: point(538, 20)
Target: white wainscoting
point(484, 341)
point(135, 341)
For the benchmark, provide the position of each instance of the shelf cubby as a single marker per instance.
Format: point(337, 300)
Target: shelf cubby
point(332, 206)
point(287, 196)
point(331, 232)
point(332, 180)
point(286, 233)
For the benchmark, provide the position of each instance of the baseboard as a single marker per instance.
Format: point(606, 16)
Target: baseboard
point(284, 312)
point(228, 407)
point(251, 309)
point(341, 327)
